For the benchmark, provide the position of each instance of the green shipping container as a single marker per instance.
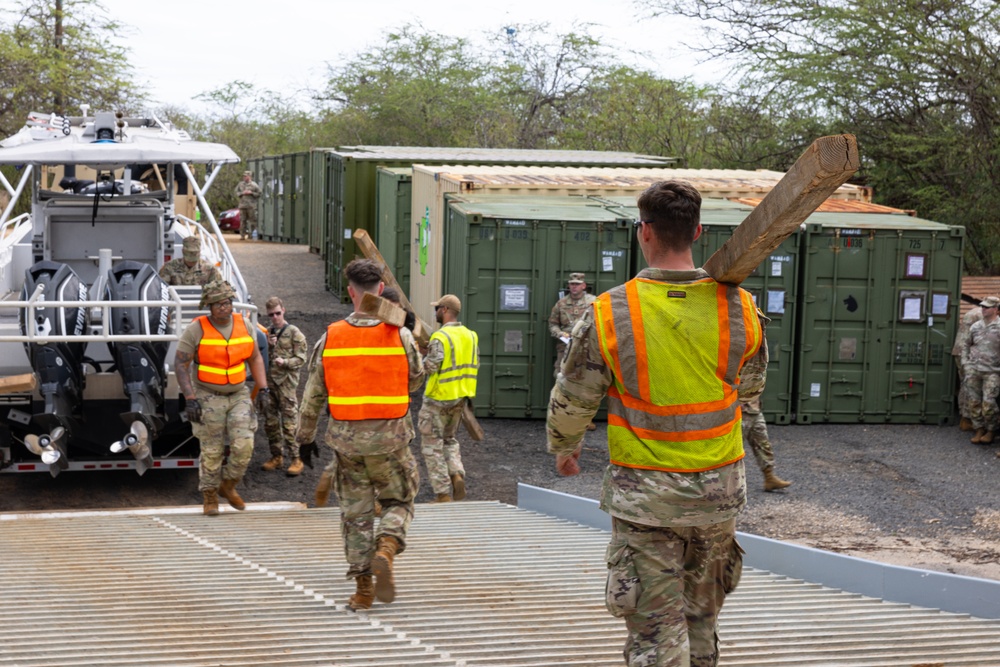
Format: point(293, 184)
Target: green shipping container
point(393, 232)
point(508, 260)
point(351, 185)
point(879, 316)
point(318, 199)
point(774, 286)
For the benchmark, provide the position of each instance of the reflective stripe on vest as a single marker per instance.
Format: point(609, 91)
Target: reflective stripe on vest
point(366, 371)
point(457, 376)
point(222, 361)
point(692, 339)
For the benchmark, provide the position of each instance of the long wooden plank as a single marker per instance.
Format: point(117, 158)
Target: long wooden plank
point(16, 384)
point(421, 332)
point(819, 171)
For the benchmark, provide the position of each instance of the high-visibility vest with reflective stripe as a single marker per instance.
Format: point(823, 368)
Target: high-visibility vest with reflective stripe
point(366, 371)
point(222, 361)
point(457, 376)
point(673, 404)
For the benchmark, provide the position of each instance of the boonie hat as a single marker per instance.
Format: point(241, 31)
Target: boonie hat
point(216, 291)
point(192, 248)
point(449, 301)
point(990, 302)
point(577, 278)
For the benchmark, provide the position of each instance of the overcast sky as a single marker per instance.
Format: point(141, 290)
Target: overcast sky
point(186, 47)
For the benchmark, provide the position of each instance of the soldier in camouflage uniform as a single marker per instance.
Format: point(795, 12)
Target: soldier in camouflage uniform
point(247, 193)
point(982, 371)
point(451, 367)
point(674, 498)
point(287, 349)
point(190, 268)
point(217, 402)
point(372, 455)
point(567, 312)
point(958, 352)
point(755, 433)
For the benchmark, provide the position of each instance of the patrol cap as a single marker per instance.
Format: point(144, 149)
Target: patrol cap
point(192, 248)
point(990, 302)
point(449, 301)
point(248, 173)
point(577, 278)
point(216, 291)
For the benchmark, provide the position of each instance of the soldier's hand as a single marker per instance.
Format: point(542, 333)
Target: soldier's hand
point(264, 399)
point(567, 464)
point(193, 410)
point(307, 451)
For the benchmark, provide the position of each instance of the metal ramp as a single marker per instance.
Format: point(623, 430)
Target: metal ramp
point(479, 584)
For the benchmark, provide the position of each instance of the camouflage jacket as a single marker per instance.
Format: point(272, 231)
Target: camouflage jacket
point(649, 497)
point(292, 348)
point(982, 347)
point(567, 312)
point(176, 272)
point(962, 335)
point(367, 437)
point(250, 200)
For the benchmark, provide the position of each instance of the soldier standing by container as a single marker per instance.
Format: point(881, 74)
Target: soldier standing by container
point(565, 314)
point(189, 268)
point(674, 351)
point(451, 366)
point(755, 433)
point(367, 372)
point(248, 192)
point(287, 350)
point(218, 405)
point(958, 352)
point(982, 371)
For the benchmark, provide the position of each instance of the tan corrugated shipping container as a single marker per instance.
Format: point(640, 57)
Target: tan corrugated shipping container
point(431, 183)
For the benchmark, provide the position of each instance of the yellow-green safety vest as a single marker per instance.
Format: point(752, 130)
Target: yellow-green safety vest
point(457, 376)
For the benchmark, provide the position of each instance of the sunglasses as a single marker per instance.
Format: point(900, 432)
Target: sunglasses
point(276, 314)
point(638, 223)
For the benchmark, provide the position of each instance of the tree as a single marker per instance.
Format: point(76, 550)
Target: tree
point(56, 56)
point(917, 80)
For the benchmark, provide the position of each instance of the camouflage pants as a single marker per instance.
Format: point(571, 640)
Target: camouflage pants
point(982, 390)
point(248, 221)
point(441, 451)
point(560, 357)
point(669, 585)
point(224, 415)
point(394, 479)
point(963, 393)
point(755, 433)
point(281, 418)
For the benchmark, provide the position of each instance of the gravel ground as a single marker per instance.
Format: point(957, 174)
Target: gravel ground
point(921, 496)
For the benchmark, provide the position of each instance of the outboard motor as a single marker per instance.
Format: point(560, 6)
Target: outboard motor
point(141, 364)
point(58, 366)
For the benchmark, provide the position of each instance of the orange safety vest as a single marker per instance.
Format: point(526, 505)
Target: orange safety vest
point(222, 361)
point(366, 371)
point(673, 404)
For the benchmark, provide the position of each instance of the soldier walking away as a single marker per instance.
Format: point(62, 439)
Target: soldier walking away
point(189, 268)
point(287, 349)
point(217, 401)
point(564, 316)
point(365, 376)
point(247, 193)
point(755, 433)
point(676, 480)
point(958, 352)
point(451, 366)
point(982, 372)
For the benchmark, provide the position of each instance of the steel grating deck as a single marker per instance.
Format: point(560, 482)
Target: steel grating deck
point(480, 584)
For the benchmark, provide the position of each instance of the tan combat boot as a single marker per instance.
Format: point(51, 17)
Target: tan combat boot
point(987, 438)
point(978, 437)
point(228, 491)
point(385, 584)
point(323, 489)
point(772, 482)
point(211, 502)
point(274, 463)
point(365, 594)
point(295, 468)
point(443, 498)
point(458, 486)
point(965, 424)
